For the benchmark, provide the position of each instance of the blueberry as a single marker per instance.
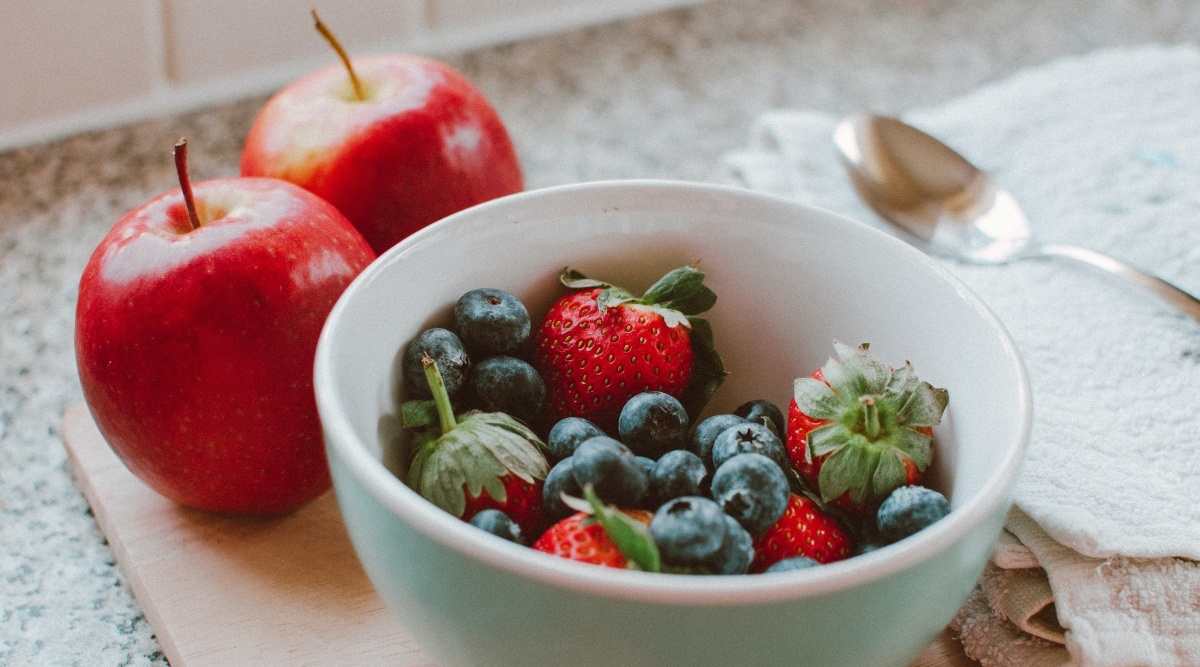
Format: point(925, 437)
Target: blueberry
point(793, 563)
point(866, 548)
point(707, 431)
point(509, 385)
point(647, 464)
point(752, 489)
point(444, 347)
point(612, 469)
point(492, 322)
point(762, 411)
point(746, 438)
point(653, 423)
point(499, 524)
point(648, 502)
point(559, 480)
point(688, 531)
point(736, 552)
point(677, 473)
point(566, 435)
point(909, 509)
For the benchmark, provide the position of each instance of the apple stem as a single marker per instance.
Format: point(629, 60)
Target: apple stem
point(185, 183)
point(337, 46)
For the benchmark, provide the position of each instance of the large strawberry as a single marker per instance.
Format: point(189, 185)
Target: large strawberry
point(803, 530)
point(477, 461)
point(600, 345)
point(603, 535)
point(858, 429)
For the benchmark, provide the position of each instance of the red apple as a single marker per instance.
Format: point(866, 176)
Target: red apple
point(394, 141)
point(195, 334)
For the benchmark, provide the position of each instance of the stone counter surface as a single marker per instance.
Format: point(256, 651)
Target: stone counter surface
point(661, 96)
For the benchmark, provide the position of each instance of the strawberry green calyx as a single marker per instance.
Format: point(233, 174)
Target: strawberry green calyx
point(678, 297)
point(874, 418)
point(473, 453)
point(631, 537)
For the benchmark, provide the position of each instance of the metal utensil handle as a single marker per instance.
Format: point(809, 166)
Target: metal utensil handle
point(1173, 295)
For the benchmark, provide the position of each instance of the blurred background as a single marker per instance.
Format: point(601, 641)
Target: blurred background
point(74, 66)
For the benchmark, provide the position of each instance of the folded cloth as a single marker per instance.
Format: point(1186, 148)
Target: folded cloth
point(1010, 554)
point(994, 642)
point(1141, 612)
point(1024, 598)
point(1102, 150)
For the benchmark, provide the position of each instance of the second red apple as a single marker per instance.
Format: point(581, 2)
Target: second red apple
point(395, 143)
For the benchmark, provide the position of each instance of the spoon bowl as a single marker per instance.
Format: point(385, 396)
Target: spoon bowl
point(950, 207)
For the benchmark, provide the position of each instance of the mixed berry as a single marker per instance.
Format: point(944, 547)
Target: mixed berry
point(579, 436)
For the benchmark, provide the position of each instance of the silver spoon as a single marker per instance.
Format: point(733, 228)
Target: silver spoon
point(955, 209)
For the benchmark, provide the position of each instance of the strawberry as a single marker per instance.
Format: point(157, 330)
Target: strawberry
point(603, 535)
point(521, 500)
point(803, 530)
point(599, 345)
point(477, 461)
point(858, 429)
point(581, 537)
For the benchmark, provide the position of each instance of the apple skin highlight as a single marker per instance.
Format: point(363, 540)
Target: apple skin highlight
point(195, 347)
point(424, 143)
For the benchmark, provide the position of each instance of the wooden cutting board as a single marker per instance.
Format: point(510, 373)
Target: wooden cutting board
point(222, 591)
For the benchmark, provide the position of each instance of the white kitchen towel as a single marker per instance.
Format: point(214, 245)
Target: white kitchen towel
point(1101, 150)
point(1118, 611)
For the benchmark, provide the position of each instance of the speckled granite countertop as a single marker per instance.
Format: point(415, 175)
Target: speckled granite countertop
point(658, 96)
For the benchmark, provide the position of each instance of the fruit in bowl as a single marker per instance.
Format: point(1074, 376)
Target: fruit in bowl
point(790, 279)
point(620, 366)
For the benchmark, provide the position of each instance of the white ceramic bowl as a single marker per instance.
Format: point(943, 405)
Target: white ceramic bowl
point(791, 279)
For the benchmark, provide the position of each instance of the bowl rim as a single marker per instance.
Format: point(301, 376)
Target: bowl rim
point(458, 536)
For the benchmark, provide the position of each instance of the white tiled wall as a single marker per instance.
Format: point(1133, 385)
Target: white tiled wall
point(214, 39)
point(68, 66)
point(62, 57)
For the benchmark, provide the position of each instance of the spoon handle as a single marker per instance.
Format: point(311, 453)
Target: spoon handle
point(1164, 290)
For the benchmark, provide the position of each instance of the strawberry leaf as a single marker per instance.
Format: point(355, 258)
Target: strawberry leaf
point(416, 414)
point(855, 372)
point(708, 370)
point(679, 282)
point(631, 537)
point(848, 469)
point(695, 304)
point(510, 442)
point(451, 470)
point(889, 474)
point(577, 504)
point(920, 403)
point(683, 290)
point(611, 297)
point(816, 399)
point(475, 456)
point(827, 439)
point(421, 452)
point(916, 446)
point(576, 280)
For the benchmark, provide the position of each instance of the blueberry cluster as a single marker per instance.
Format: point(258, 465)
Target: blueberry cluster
point(483, 360)
point(712, 488)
